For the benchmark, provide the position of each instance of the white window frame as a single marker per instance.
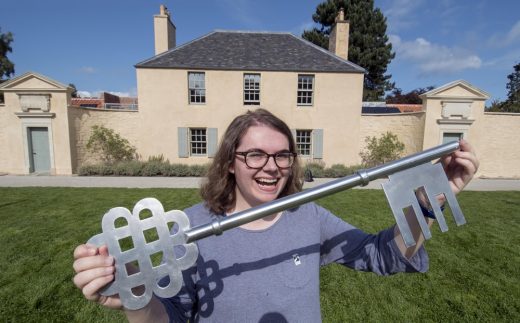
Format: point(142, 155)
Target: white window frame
point(252, 88)
point(303, 140)
point(197, 87)
point(305, 93)
point(198, 141)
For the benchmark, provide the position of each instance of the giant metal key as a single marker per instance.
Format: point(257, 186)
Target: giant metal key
point(135, 289)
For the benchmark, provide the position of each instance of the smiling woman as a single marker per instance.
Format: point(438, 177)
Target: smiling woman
point(258, 131)
point(268, 268)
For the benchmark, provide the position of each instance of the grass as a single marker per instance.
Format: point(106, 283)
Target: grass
point(474, 269)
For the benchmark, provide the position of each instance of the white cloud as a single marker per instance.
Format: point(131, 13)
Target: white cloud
point(434, 58)
point(96, 94)
point(119, 93)
point(87, 70)
point(513, 34)
point(84, 94)
point(512, 37)
point(402, 14)
point(242, 12)
point(505, 60)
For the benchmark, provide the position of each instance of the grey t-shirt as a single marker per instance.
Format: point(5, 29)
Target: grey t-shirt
point(272, 275)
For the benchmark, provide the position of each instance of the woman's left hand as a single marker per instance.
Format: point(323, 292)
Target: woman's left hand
point(460, 166)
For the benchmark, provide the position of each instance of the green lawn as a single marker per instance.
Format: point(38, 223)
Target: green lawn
point(474, 269)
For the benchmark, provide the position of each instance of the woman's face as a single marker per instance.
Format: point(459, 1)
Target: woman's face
point(257, 186)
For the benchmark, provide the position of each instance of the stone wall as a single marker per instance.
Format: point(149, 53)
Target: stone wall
point(497, 146)
point(409, 128)
point(81, 120)
point(3, 137)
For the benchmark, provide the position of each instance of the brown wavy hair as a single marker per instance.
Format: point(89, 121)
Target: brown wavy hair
point(218, 190)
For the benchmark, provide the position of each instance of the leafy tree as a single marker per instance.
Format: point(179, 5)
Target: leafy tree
point(381, 150)
point(513, 86)
point(505, 106)
point(495, 105)
point(6, 66)
point(368, 42)
point(317, 37)
point(74, 93)
point(512, 104)
point(110, 145)
point(413, 97)
point(2, 99)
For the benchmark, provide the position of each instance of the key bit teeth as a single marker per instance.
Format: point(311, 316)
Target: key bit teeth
point(400, 191)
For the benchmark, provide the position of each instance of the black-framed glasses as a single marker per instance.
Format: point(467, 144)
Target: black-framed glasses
point(258, 159)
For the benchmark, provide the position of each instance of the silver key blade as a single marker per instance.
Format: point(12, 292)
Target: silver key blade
point(401, 190)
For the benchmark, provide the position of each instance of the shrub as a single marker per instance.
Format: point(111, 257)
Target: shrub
point(336, 170)
point(158, 159)
point(95, 170)
point(128, 168)
point(179, 170)
point(316, 168)
point(199, 170)
point(381, 150)
point(110, 146)
point(153, 168)
point(86, 170)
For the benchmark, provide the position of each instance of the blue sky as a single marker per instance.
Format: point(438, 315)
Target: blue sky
point(94, 44)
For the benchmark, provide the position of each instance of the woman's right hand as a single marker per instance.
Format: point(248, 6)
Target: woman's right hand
point(94, 269)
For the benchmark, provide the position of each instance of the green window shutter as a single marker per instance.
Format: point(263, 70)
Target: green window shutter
point(317, 143)
point(182, 134)
point(212, 141)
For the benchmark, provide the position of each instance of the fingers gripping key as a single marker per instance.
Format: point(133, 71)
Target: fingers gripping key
point(135, 289)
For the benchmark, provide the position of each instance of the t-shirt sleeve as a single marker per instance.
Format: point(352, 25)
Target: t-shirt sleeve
point(345, 244)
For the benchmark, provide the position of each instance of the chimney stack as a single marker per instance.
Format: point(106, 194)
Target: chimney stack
point(164, 31)
point(338, 39)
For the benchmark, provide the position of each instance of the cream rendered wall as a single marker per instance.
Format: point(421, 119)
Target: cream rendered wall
point(163, 106)
point(497, 145)
point(3, 137)
point(432, 128)
point(8, 135)
point(433, 107)
point(16, 121)
point(407, 126)
point(61, 135)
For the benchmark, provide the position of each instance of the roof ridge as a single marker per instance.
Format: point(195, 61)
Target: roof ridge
point(329, 53)
point(281, 51)
point(253, 32)
point(175, 48)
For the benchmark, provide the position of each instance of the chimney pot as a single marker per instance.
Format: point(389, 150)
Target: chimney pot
point(341, 15)
point(164, 31)
point(338, 39)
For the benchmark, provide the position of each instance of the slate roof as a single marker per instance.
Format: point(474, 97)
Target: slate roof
point(255, 51)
